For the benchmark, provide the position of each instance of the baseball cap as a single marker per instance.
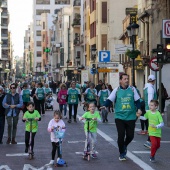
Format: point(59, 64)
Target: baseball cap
point(151, 78)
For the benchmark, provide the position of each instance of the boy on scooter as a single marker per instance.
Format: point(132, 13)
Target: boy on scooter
point(91, 133)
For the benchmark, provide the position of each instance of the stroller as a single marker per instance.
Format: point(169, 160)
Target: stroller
point(49, 102)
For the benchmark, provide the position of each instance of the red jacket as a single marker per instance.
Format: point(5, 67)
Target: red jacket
point(62, 96)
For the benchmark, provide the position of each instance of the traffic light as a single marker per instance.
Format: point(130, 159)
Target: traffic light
point(160, 53)
point(167, 53)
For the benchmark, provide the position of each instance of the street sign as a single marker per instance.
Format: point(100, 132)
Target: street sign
point(153, 64)
point(131, 11)
point(84, 76)
point(108, 65)
point(122, 48)
point(104, 56)
point(166, 28)
point(106, 70)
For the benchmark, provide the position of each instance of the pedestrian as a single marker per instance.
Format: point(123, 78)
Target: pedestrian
point(102, 96)
point(40, 95)
point(164, 97)
point(31, 113)
point(25, 93)
point(126, 100)
point(2, 114)
point(95, 117)
point(33, 95)
point(99, 86)
point(149, 94)
point(12, 103)
point(54, 87)
point(55, 124)
point(73, 96)
point(62, 95)
point(155, 125)
point(47, 89)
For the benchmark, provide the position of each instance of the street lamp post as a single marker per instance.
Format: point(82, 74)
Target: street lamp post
point(132, 31)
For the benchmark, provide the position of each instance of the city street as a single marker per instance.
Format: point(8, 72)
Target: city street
point(12, 157)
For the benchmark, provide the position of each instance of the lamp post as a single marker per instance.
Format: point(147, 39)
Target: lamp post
point(0, 72)
point(132, 31)
point(68, 61)
point(93, 58)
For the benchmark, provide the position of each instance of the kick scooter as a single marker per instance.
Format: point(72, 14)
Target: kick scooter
point(31, 154)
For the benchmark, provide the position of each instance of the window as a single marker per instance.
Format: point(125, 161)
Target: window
point(104, 12)
point(62, 1)
point(43, 25)
point(38, 53)
point(92, 5)
point(38, 33)
point(43, 2)
point(93, 30)
point(40, 11)
point(38, 22)
point(104, 41)
point(39, 43)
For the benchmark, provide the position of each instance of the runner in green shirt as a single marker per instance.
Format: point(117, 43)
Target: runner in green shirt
point(95, 116)
point(155, 124)
point(30, 114)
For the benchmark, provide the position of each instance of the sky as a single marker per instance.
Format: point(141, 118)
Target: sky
point(20, 12)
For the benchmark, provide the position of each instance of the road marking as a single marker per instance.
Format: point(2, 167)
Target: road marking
point(20, 143)
point(137, 129)
point(165, 141)
point(6, 167)
point(141, 151)
point(130, 155)
point(81, 141)
point(81, 153)
point(17, 154)
point(29, 167)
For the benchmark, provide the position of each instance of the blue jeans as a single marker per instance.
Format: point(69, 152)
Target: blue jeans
point(65, 108)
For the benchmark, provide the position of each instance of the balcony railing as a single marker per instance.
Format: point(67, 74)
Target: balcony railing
point(76, 21)
point(4, 35)
point(4, 4)
point(4, 14)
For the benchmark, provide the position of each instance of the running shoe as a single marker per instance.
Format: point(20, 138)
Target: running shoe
point(141, 132)
point(122, 157)
point(147, 144)
point(69, 121)
point(51, 162)
point(152, 159)
point(26, 150)
point(94, 155)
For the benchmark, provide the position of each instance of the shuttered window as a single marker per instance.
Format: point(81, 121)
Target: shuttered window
point(104, 41)
point(104, 12)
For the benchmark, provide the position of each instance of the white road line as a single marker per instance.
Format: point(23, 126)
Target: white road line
point(130, 155)
point(137, 129)
point(6, 167)
point(17, 154)
point(165, 141)
point(20, 143)
point(141, 151)
point(81, 153)
point(81, 141)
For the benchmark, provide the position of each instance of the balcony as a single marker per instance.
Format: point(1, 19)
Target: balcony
point(4, 15)
point(4, 36)
point(4, 25)
point(77, 3)
point(3, 4)
point(76, 21)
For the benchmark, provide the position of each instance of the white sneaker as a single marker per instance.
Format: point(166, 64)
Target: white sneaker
point(65, 117)
point(51, 162)
point(58, 159)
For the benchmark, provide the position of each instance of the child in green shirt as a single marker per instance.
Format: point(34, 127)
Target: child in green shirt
point(154, 129)
point(95, 116)
point(30, 114)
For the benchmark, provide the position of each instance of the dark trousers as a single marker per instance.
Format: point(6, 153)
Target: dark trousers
point(27, 139)
point(55, 146)
point(25, 107)
point(40, 104)
point(36, 103)
point(144, 124)
point(2, 125)
point(124, 128)
point(75, 110)
point(12, 126)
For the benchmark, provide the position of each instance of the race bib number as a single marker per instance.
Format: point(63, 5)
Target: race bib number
point(152, 129)
point(73, 100)
point(40, 95)
point(63, 97)
point(104, 98)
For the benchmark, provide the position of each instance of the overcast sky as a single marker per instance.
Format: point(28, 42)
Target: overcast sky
point(20, 12)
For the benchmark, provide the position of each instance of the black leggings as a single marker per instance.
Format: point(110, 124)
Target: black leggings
point(75, 110)
point(27, 139)
point(55, 146)
point(144, 124)
point(40, 104)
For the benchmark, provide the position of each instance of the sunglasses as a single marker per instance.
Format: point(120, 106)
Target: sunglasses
point(12, 88)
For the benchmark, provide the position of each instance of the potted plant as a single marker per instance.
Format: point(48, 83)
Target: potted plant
point(132, 53)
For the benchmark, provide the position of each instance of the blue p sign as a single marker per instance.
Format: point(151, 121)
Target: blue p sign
point(104, 56)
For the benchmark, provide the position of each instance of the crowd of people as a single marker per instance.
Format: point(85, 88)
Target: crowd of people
point(99, 100)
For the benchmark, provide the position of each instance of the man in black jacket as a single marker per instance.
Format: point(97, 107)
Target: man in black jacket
point(2, 114)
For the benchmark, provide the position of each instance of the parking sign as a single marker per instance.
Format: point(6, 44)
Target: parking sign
point(104, 56)
point(166, 28)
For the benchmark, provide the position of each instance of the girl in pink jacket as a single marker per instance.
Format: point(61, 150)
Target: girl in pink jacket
point(62, 95)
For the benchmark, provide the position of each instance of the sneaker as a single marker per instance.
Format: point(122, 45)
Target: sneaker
point(8, 141)
point(94, 155)
point(152, 159)
point(141, 132)
point(122, 157)
point(51, 162)
point(147, 144)
point(106, 120)
point(69, 121)
point(65, 117)
point(13, 141)
point(75, 120)
point(58, 159)
point(146, 132)
point(26, 150)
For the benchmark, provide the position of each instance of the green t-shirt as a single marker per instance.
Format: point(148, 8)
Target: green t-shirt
point(26, 95)
point(40, 93)
point(73, 96)
point(34, 115)
point(47, 90)
point(93, 123)
point(154, 119)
